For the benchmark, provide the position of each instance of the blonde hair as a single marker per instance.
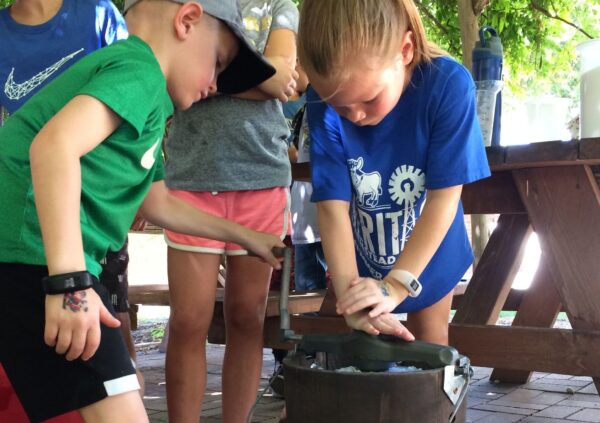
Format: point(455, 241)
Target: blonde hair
point(333, 33)
point(158, 13)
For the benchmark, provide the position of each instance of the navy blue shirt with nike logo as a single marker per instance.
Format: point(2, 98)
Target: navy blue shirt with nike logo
point(26, 62)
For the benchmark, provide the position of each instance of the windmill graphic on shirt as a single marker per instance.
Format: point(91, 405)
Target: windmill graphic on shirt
point(16, 91)
point(406, 186)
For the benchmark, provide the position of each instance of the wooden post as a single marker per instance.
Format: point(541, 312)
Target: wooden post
point(469, 30)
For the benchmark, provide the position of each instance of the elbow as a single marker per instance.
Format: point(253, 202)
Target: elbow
point(36, 152)
point(333, 209)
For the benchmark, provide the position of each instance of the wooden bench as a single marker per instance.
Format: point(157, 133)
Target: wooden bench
point(298, 303)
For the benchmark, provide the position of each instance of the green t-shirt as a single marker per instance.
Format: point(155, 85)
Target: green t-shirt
point(116, 175)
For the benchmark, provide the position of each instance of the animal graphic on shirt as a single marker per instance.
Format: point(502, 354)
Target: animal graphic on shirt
point(367, 185)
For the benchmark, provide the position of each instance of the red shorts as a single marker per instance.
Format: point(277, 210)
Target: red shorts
point(265, 210)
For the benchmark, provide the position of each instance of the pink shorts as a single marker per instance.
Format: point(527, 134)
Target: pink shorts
point(266, 210)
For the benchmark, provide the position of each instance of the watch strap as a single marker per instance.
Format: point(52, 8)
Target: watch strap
point(67, 282)
point(408, 280)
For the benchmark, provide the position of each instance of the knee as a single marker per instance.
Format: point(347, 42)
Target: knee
point(436, 334)
point(432, 331)
point(194, 323)
point(245, 317)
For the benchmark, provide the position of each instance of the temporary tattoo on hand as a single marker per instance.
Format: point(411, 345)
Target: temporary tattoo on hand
point(384, 287)
point(75, 301)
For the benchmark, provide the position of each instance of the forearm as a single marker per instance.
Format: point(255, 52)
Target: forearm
point(56, 176)
point(338, 243)
point(430, 229)
point(254, 94)
point(265, 90)
point(170, 212)
point(78, 128)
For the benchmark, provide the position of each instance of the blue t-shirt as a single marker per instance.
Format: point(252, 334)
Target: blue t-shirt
point(430, 140)
point(31, 56)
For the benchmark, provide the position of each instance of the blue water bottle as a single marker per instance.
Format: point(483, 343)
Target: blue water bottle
point(487, 65)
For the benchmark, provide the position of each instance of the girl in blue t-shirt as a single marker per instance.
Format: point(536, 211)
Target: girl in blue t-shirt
point(393, 123)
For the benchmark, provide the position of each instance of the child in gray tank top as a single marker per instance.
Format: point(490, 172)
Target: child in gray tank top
point(227, 155)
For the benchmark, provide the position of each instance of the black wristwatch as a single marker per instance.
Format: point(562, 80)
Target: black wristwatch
point(67, 282)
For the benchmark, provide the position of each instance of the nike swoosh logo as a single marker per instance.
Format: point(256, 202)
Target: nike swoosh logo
point(16, 91)
point(148, 158)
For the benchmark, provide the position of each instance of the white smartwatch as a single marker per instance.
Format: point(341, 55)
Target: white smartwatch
point(408, 280)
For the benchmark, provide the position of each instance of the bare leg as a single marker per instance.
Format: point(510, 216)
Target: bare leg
point(126, 408)
point(246, 291)
point(192, 285)
point(431, 323)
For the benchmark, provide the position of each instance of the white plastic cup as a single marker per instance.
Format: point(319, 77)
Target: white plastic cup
point(589, 103)
point(487, 91)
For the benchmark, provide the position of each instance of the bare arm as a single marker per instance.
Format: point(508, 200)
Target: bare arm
point(431, 228)
point(56, 173)
point(338, 245)
point(281, 53)
point(72, 320)
point(167, 211)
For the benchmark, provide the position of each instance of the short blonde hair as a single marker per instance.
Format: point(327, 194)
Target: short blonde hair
point(332, 33)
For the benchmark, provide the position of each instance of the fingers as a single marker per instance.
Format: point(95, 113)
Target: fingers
point(50, 334)
point(63, 341)
point(93, 341)
point(384, 326)
point(85, 341)
point(390, 325)
point(78, 343)
point(108, 319)
point(361, 304)
point(358, 297)
point(272, 260)
point(359, 321)
point(287, 88)
point(404, 333)
point(75, 331)
point(362, 294)
point(399, 330)
point(370, 329)
point(379, 309)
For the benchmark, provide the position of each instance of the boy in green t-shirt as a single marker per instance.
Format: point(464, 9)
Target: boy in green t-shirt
point(76, 163)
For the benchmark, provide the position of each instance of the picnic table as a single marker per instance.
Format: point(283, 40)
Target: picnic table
point(551, 188)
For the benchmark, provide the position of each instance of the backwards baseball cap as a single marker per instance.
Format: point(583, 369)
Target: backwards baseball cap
point(249, 68)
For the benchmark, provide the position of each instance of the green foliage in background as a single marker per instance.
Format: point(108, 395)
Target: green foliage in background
point(539, 37)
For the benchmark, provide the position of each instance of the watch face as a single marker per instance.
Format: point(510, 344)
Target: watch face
point(414, 285)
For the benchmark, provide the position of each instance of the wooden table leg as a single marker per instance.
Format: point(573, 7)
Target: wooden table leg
point(328, 304)
point(539, 308)
point(564, 207)
point(493, 277)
